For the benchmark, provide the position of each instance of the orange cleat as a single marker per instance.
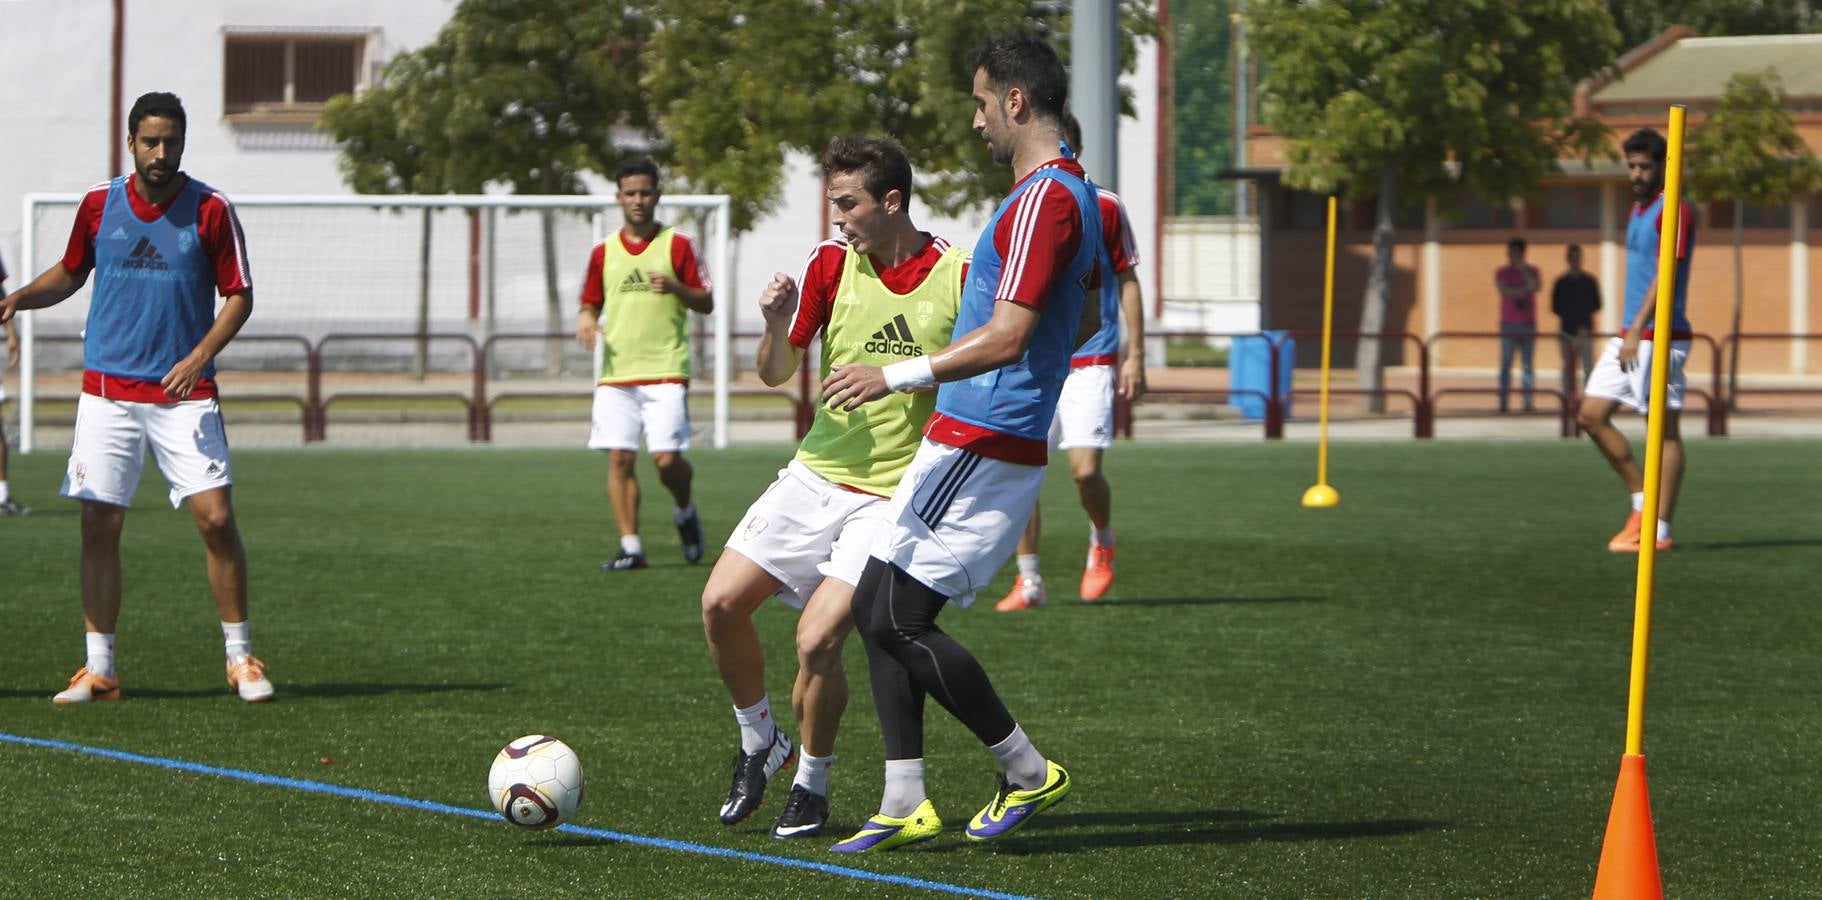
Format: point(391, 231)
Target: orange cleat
point(1024, 595)
point(88, 687)
point(1098, 577)
point(247, 676)
point(1627, 541)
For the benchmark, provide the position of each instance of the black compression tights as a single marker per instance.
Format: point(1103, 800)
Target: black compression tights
point(909, 657)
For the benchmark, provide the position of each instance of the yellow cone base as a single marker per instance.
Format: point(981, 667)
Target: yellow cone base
point(1629, 855)
point(1321, 496)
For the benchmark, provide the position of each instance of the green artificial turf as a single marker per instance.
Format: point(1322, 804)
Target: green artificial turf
point(1420, 693)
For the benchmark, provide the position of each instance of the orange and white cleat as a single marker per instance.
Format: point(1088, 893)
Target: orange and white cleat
point(247, 676)
point(88, 687)
point(1098, 577)
point(1024, 595)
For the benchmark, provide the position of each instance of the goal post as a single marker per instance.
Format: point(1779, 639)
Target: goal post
point(398, 264)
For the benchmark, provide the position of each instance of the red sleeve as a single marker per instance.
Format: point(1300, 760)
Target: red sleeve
point(816, 291)
point(591, 279)
point(1036, 239)
point(1116, 233)
point(219, 228)
point(1683, 222)
point(79, 255)
point(684, 262)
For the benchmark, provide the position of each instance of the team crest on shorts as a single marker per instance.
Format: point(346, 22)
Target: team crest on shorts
point(78, 475)
point(754, 527)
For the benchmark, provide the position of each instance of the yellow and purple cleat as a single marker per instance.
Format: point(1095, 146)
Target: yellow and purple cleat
point(1011, 808)
point(883, 832)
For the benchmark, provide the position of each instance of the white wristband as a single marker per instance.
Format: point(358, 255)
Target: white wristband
point(910, 375)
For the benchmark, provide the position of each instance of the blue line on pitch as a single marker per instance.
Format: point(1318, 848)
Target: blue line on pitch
point(336, 790)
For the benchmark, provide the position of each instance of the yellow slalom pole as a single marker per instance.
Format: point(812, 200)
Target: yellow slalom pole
point(1629, 863)
point(1320, 495)
point(1654, 430)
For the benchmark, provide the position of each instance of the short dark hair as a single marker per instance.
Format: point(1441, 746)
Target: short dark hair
point(1072, 132)
point(1021, 59)
point(641, 166)
point(881, 162)
point(162, 104)
point(1647, 142)
point(1516, 244)
point(1575, 249)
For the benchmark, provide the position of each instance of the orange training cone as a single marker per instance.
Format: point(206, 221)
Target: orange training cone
point(1629, 855)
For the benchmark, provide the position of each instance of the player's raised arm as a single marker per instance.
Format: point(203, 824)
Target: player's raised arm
point(778, 357)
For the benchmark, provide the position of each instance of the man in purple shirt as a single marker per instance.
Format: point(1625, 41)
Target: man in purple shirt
point(1518, 283)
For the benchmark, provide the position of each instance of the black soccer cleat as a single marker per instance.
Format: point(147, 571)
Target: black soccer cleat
point(751, 772)
point(10, 508)
point(804, 813)
point(689, 531)
point(624, 561)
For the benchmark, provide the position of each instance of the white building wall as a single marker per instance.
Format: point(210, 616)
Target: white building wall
point(54, 88)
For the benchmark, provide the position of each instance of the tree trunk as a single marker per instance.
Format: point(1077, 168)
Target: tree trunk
point(1739, 301)
point(1368, 364)
point(420, 360)
point(553, 318)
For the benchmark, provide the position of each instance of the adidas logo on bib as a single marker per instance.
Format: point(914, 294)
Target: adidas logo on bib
point(145, 255)
point(895, 339)
point(635, 281)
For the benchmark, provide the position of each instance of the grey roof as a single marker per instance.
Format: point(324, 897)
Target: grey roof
point(1698, 68)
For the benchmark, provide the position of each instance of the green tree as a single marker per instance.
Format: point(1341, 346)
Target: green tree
point(524, 93)
point(1402, 100)
point(1641, 20)
point(1747, 151)
point(392, 143)
point(1202, 99)
point(737, 84)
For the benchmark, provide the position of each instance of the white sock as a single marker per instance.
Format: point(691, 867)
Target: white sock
point(101, 653)
point(1100, 537)
point(756, 725)
point(1638, 502)
point(4, 494)
point(681, 514)
point(813, 773)
point(904, 788)
point(630, 543)
point(235, 640)
point(1028, 568)
point(1023, 763)
point(1663, 530)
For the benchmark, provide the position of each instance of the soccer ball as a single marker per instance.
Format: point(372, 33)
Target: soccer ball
point(536, 782)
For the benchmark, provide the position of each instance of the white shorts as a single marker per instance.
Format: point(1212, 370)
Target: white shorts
point(109, 449)
point(1084, 416)
point(1634, 388)
point(956, 518)
point(805, 528)
point(622, 411)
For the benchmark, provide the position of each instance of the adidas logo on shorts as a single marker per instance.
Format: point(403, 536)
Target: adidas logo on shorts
point(895, 339)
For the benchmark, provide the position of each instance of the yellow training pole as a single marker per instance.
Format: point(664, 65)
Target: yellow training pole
point(1320, 494)
point(1629, 866)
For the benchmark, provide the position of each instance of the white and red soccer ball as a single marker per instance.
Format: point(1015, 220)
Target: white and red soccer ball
point(536, 782)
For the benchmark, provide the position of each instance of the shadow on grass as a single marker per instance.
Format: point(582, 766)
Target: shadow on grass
point(1065, 832)
point(1205, 601)
point(374, 689)
point(1766, 544)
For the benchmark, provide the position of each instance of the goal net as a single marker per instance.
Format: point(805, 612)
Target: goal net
point(450, 296)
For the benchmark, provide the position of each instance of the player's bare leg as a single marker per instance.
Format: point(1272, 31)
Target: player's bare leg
point(96, 680)
point(8, 506)
point(213, 511)
point(1596, 418)
point(623, 496)
point(675, 473)
point(1097, 501)
point(736, 588)
point(1028, 588)
point(818, 697)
